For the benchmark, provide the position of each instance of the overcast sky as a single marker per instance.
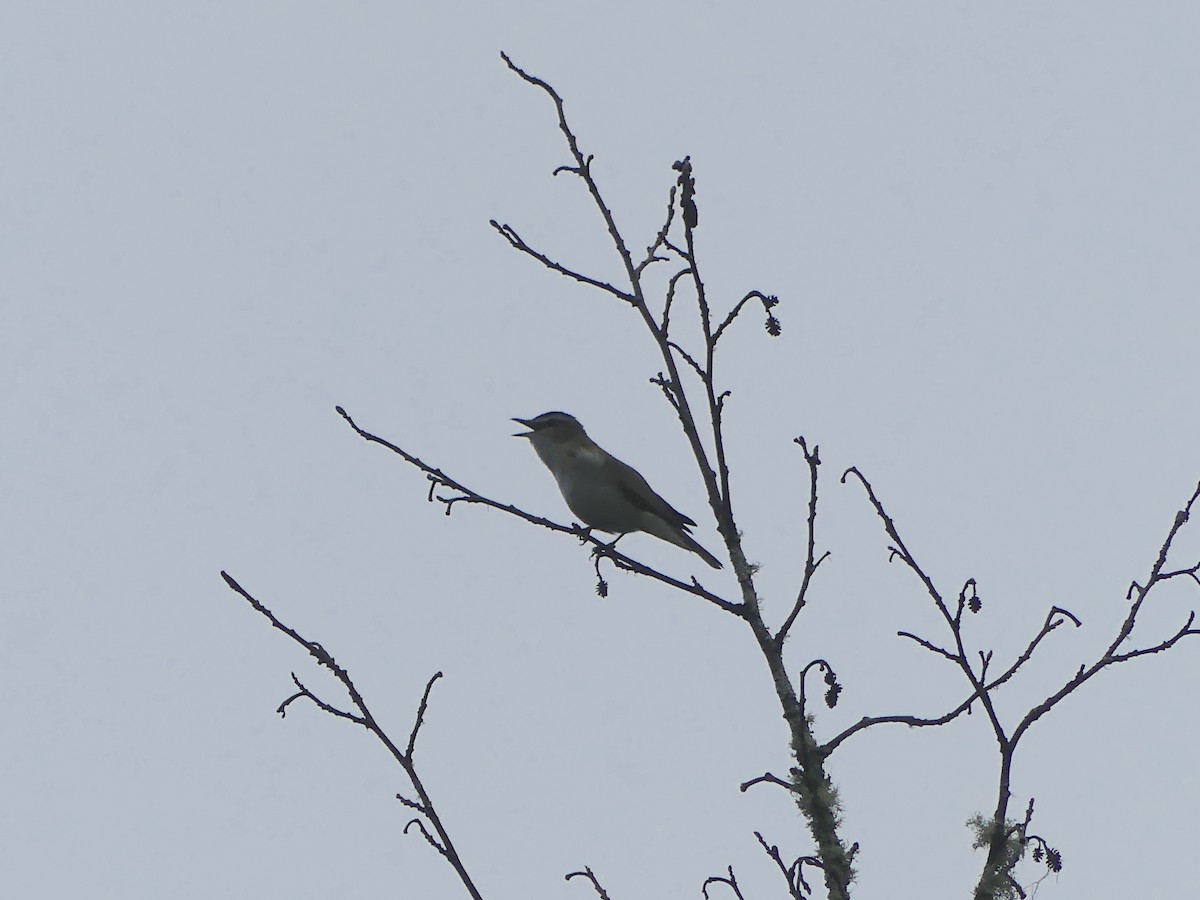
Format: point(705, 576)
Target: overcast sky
point(222, 219)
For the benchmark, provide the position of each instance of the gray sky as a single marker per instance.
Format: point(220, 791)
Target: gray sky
point(220, 220)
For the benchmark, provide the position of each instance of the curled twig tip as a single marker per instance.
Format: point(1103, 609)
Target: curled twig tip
point(1058, 610)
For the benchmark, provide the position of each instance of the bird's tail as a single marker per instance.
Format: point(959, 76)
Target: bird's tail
point(701, 552)
point(681, 538)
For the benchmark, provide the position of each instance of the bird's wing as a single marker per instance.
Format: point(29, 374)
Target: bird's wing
point(634, 487)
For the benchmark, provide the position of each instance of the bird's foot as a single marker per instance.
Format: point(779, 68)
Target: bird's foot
point(609, 549)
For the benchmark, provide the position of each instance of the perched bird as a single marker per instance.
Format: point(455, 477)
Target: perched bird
point(605, 493)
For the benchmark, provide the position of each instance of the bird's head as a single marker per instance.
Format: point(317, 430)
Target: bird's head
point(551, 428)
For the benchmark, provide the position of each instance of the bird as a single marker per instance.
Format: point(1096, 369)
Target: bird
point(605, 493)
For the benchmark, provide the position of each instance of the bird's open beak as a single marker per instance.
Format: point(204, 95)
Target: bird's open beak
point(524, 434)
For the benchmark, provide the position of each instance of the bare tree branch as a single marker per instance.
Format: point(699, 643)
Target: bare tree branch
point(810, 785)
point(814, 794)
point(1112, 656)
point(583, 168)
point(442, 842)
point(1052, 622)
point(466, 495)
point(793, 874)
point(953, 620)
point(1000, 861)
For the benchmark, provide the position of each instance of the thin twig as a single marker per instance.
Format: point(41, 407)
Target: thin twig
point(930, 646)
point(590, 876)
point(730, 882)
point(766, 778)
point(420, 718)
point(672, 287)
point(660, 238)
point(767, 302)
point(811, 563)
point(517, 242)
